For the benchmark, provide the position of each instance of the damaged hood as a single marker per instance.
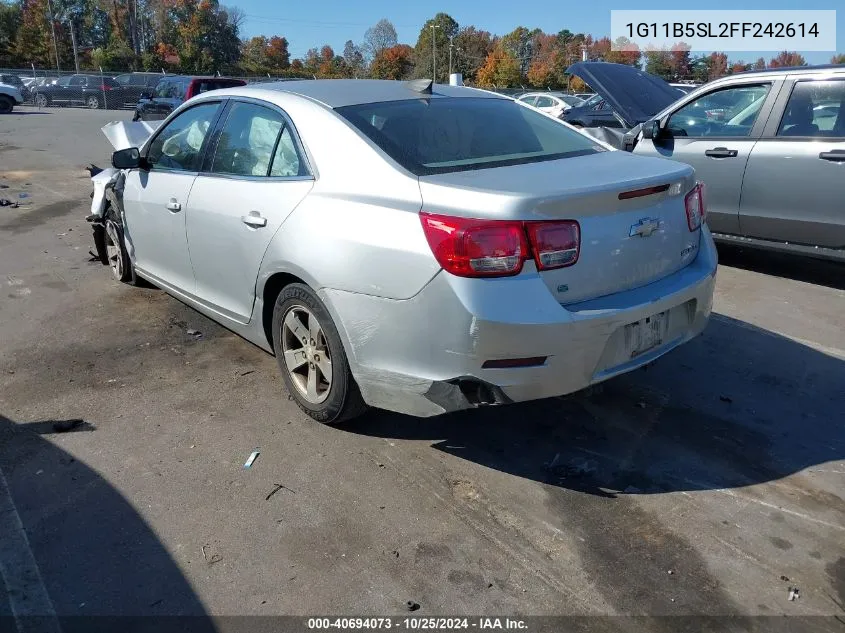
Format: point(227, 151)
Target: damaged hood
point(634, 95)
point(125, 134)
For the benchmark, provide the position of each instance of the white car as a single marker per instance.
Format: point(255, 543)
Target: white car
point(554, 103)
point(416, 248)
point(9, 98)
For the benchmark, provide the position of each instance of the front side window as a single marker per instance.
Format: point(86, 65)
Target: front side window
point(815, 108)
point(446, 134)
point(123, 80)
point(529, 99)
point(727, 112)
point(77, 81)
point(178, 146)
point(247, 141)
point(545, 102)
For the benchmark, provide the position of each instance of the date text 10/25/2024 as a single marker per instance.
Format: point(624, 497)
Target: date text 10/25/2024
point(418, 624)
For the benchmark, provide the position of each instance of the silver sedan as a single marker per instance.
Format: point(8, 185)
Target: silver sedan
point(414, 248)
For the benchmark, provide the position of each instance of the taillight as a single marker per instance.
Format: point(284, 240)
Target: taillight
point(475, 248)
point(695, 207)
point(105, 87)
point(469, 247)
point(555, 244)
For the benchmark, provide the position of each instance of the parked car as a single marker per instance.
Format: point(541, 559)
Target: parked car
point(584, 96)
point(14, 80)
point(554, 103)
point(134, 85)
point(684, 88)
point(457, 249)
point(92, 91)
point(10, 96)
point(769, 144)
point(594, 112)
point(171, 92)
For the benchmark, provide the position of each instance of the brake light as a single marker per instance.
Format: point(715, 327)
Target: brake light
point(105, 87)
point(469, 247)
point(475, 248)
point(695, 206)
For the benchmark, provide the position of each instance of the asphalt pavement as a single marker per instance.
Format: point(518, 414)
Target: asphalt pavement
point(711, 483)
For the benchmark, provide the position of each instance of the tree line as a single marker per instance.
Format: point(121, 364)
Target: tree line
point(203, 36)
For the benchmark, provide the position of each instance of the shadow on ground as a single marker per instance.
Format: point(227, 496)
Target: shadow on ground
point(813, 271)
point(96, 555)
point(736, 407)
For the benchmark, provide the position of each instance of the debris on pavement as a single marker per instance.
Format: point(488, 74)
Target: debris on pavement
point(247, 372)
point(251, 459)
point(785, 578)
point(195, 333)
point(215, 558)
point(4, 186)
point(276, 489)
point(5, 202)
point(793, 594)
point(23, 194)
point(411, 605)
point(64, 426)
point(670, 572)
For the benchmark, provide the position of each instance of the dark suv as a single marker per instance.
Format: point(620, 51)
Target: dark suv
point(92, 91)
point(134, 85)
point(171, 92)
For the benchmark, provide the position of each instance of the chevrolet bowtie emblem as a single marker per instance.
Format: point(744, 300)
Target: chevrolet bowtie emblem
point(645, 227)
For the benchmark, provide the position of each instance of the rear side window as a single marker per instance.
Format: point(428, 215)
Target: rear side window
point(247, 141)
point(446, 134)
point(815, 108)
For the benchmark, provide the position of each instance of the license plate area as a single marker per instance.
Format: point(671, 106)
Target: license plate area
point(646, 334)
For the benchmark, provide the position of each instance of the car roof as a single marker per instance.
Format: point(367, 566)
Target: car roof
point(337, 93)
point(791, 70)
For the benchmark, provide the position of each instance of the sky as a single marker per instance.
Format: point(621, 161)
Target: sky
point(310, 24)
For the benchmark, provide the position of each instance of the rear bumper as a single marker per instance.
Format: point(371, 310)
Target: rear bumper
point(423, 356)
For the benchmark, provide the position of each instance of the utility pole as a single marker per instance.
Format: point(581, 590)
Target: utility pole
point(53, 28)
point(72, 23)
point(434, 54)
point(451, 46)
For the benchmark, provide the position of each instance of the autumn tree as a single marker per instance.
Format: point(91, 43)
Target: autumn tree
point(543, 71)
point(738, 67)
point(718, 66)
point(785, 59)
point(395, 62)
point(471, 47)
point(353, 58)
point(441, 28)
point(501, 70)
point(760, 64)
point(838, 59)
point(519, 44)
point(33, 44)
point(600, 49)
point(10, 21)
point(378, 37)
point(624, 51)
point(659, 62)
point(680, 62)
point(205, 38)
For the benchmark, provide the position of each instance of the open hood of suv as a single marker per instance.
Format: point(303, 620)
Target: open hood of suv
point(634, 95)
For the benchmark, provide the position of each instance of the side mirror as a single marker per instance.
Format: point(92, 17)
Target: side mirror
point(129, 158)
point(652, 130)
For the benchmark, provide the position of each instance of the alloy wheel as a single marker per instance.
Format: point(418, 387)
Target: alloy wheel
point(41, 101)
point(93, 102)
point(306, 353)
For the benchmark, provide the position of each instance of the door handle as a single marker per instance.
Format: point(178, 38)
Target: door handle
point(837, 156)
point(254, 220)
point(173, 205)
point(721, 152)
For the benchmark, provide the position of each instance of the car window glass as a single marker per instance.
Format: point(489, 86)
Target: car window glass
point(530, 99)
point(162, 88)
point(815, 108)
point(123, 80)
point(77, 81)
point(544, 102)
point(63, 81)
point(247, 140)
point(178, 145)
point(286, 161)
point(727, 112)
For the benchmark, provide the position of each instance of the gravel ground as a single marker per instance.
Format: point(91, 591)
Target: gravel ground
point(711, 483)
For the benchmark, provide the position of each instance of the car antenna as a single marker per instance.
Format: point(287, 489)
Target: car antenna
point(421, 85)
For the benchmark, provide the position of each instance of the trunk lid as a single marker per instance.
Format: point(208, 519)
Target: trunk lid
point(625, 243)
point(634, 95)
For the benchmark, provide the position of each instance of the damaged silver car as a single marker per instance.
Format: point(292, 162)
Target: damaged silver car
point(417, 248)
point(769, 145)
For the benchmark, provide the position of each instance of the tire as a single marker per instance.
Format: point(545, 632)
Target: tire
point(92, 102)
point(41, 100)
point(135, 117)
point(331, 401)
point(115, 247)
point(6, 104)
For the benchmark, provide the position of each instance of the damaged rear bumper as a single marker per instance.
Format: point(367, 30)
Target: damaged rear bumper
point(425, 356)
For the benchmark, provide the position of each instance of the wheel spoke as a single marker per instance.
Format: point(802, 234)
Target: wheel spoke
point(294, 359)
point(325, 367)
point(314, 329)
point(293, 323)
point(311, 388)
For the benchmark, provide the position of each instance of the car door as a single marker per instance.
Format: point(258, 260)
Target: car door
point(794, 186)
point(155, 199)
point(254, 179)
point(72, 91)
point(715, 133)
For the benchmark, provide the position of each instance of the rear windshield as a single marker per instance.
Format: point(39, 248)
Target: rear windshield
point(446, 134)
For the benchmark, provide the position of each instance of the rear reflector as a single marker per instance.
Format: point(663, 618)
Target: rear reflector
point(510, 363)
point(694, 204)
point(470, 247)
point(639, 193)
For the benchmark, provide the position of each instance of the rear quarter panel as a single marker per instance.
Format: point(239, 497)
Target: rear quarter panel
point(358, 230)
